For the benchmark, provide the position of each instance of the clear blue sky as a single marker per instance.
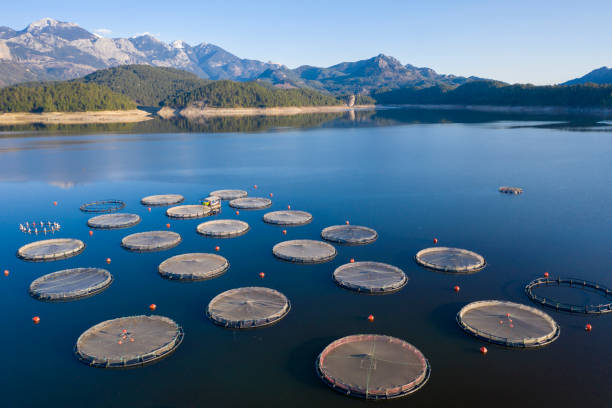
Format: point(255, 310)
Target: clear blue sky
point(537, 41)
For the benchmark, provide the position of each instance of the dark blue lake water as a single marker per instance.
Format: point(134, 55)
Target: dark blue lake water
point(410, 175)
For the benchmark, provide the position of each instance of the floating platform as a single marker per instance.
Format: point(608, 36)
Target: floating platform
point(128, 341)
point(508, 324)
point(511, 190)
point(577, 284)
point(370, 277)
point(51, 249)
point(304, 251)
point(373, 366)
point(248, 307)
point(188, 211)
point(162, 200)
point(103, 206)
point(251, 203)
point(288, 217)
point(450, 260)
point(151, 241)
point(223, 228)
point(349, 234)
point(193, 267)
point(226, 195)
point(70, 284)
point(114, 221)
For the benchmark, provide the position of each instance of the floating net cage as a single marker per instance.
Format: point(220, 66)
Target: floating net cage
point(250, 203)
point(226, 195)
point(577, 284)
point(349, 234)
point(51, 249)
point(188, 211)
point(451, 260)
point(304, 251)
point(151, 241)
point(128, 341)
point(373, 366)
point(249, 307)
point(223, 228)
point(162, 200)
point(511, 190)
point(103, 206)
point(113, 221)
point(370, 277)
point(40, 227)
point(288, 217)
point(70, 284)
point(508, 324)
point(193, 267)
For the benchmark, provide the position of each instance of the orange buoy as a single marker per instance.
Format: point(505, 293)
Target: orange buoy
point(284, 232)
point(108, 260)
point(55, 203)
point(237, 212)
point(6, 272)
point(483, 350)
point(507, 314)
point(90, 233)
point(546, 274)
point(261, 274)
point(149, 209)
point(511, 326)
point(501, 322)
point(271, 195)
point(288, 207)
point(456, 288)
point(168, 225)
point(588, 327)
point(217, 248)
point(435, 240)
point(347, 223)
point(352, 260)
point(255, 186)
point(124, 331)
point(152, 306)
point(131, 339)
point(36, 319)
point(119, 342)
point(371, 318)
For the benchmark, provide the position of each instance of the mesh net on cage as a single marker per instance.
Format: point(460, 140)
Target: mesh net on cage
point(370, 277)
point(508, 323)
point(188, 211)
point(223, 228)
point(349, 234)
point(250, 203)
point(451, 260)
point(162, 200)
point(113, 221)
point(151, 241)
point(103, 206)
point(373, 366)
point(51, 249)
point(229, 194)
point(193, 267)
point(70, 284)
point(570, 295)
point(304, 251)
point(248, 307)
point(287, 217)
point(128, 341)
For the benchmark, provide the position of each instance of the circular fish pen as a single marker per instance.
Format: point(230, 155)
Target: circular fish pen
point(251, 203)
point(223, 228)
point(162, 200)
point(249, 307)
point(288, 217)
point(373, 366)
point(151, 241)
point(51, 249)
point(103, 206)
point(508, 324)
point(113, 221)
point(304, 251)
point(577, 284)
point(450, 260)
point(188, 211)
point(370, 277)
point(70, 284)
point(349, 234)
point(226, 195)
point(511, 190)
point(193, 267)
point(128, 341)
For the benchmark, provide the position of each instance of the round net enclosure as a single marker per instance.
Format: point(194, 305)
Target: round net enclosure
point(193, 267)
point(103, 206)
point(223, 228)
point(251, 203)
point(113, 221)
point(288, 217)
point(304, 251)
point(349, 234)
point(162, 200)
point(188, 211)
point(229, 194)
point(373, 366)
point(511, 190)
point(128, 341)
point(507, 323)
point(452, 260)
point(151, 241)
point(370, 277)
point(570, 295)
point(51, 249)
point(70, 284)
point(249, 307)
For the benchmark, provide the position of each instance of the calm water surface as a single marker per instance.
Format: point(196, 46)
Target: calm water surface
point(411, 176)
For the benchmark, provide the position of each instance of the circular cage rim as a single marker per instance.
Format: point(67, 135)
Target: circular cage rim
point(224, 235)
point(212, 193)
point(360, 289)
point(91, 291)
point(349, 242)
point(433, 267)
point(55, 256)
point(571, 283)
point(206, 211)
point(308, 219)
point(120, 226)
point(304, 261)
point(180, 197)
point(266, 203)
point(120, 206)
point(155, 249)
point(192, 278)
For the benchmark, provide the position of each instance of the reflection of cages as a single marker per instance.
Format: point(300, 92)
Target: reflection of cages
point(579, 284)
point(103, 206)
point(212, 202)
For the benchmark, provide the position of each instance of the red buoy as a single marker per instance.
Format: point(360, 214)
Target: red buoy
point(352, 260)
point(55, 203)
point(456, 288)
point(124, 331)
point(271, 195)
point(588, 327)
point(131, 339)
point(237, 212)
point(347, 223)
point(217, 248)
point(149, 209)
point(168, 225)
point(371, 318)
point(546, 274)
point(36, 319)
point(288, 207)
point(483, 350)
point(119, 342)
point(6, 272)
point(255, 186)
point(507, 314)
point(435, 240)
point(152, 306)
point(261, 274)
point(108, 260)
point(284, 232)
point(90, 233)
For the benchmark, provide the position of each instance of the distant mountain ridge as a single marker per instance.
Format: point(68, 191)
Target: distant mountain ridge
point(600, 76)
